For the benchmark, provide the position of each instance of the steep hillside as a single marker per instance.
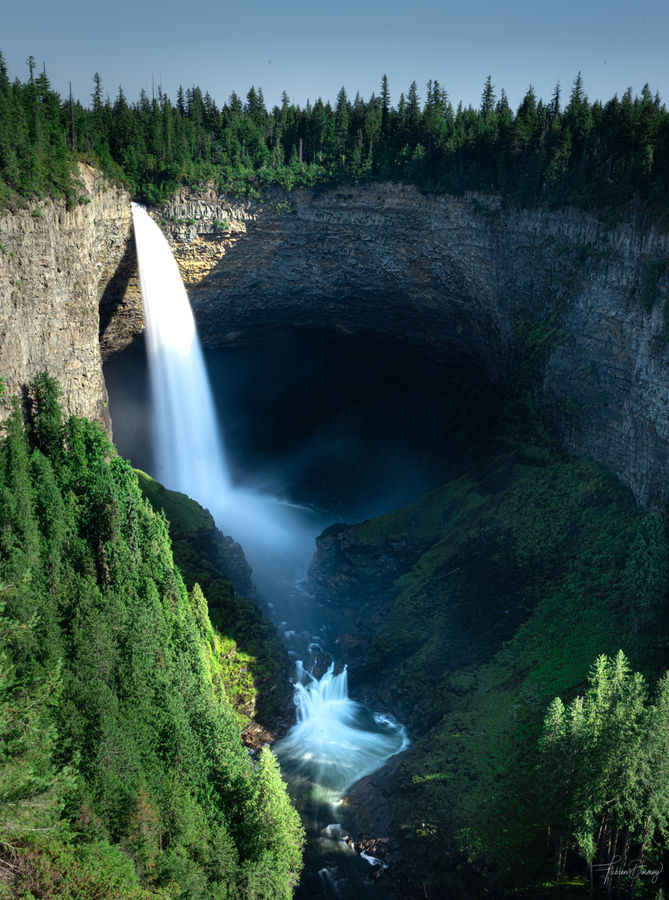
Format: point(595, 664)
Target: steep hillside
point(255, 667)
point(123, 773)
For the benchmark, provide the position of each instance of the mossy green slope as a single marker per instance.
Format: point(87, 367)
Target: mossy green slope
point(254, 662)
point(522, 588)
point(136, 782)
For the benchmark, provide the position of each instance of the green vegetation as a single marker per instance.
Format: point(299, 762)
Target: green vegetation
point(122, 772)
point(603, 774)
point(612, 157)
point(252, 658)
point(646, 575)
point(537, 565)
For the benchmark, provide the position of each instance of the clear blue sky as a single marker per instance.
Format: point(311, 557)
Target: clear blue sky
point(311, 49)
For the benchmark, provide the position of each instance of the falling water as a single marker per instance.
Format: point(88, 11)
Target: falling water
point(336, 741)
point(190, 456)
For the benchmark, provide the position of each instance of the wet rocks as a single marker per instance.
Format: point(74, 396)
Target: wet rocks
point(321, 663)
point(343, 567)
point(377, 838)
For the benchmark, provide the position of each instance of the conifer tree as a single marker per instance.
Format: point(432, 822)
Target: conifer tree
point(488, 99)
point(646, 576)
point(385, 103)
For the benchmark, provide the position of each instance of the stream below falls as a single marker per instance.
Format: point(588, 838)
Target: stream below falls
point(336, 740)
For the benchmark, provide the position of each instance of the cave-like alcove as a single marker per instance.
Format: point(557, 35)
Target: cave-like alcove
point(354, 427)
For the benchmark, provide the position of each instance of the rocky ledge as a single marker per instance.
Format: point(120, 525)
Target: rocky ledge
point(465, 280)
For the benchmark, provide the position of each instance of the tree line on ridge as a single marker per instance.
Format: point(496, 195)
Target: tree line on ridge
point(611, 156)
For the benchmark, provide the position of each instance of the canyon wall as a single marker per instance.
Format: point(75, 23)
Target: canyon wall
point(55, 265)
point(464, 279)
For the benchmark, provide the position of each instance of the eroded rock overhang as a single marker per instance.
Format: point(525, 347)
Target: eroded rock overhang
point(462, 279)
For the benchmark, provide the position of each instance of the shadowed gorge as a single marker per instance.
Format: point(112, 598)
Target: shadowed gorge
point(422, 363)
point(399, 510)
point(354, 431)
point(444, 607)
point(391, 357)
point(465, 281)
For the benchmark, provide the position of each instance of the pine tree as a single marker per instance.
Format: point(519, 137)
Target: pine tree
point(488, 99)
point(32, 787)
point(646, 576)
point(46, 416)
point(278, 835)
point(385, 103)
point(414, 103)
point(98, 104)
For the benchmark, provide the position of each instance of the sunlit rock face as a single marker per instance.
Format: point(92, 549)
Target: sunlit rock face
point(55, 264)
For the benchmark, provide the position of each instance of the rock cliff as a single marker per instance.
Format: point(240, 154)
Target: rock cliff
point(55, 266)
point(460, 278)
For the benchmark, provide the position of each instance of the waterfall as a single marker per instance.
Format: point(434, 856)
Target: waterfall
point(336, 740)
point(189, 452)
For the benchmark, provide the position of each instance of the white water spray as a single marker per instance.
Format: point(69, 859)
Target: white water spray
point(190, 456)
point(336, 741)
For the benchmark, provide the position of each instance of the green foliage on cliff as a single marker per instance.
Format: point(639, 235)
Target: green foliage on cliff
point(122, 771)
point(646, 576)
point(252, 658)
point(531, 573)
point(613, 156)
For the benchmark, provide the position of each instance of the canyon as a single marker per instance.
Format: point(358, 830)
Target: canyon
point(545, 304)
point(462, 280)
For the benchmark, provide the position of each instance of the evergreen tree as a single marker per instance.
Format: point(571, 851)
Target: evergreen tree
point(488, 99)
point(646, 576)
point(385, 103)
point(414, 103)
point(32, 788)
point(604, 771)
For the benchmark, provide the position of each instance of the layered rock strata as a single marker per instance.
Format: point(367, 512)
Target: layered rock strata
point(54, 266)
point(463, 279)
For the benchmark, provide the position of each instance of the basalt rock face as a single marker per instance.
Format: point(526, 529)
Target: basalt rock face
point(344, 567)
point(370, 265)
point(55, 265)
point(455, 277)
point(374, 265)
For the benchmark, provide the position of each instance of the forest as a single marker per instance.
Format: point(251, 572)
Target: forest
point(122, 770)
point(611, 157)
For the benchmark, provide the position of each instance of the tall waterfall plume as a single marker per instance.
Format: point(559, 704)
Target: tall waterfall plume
point(336, 740)
point(189, 450)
